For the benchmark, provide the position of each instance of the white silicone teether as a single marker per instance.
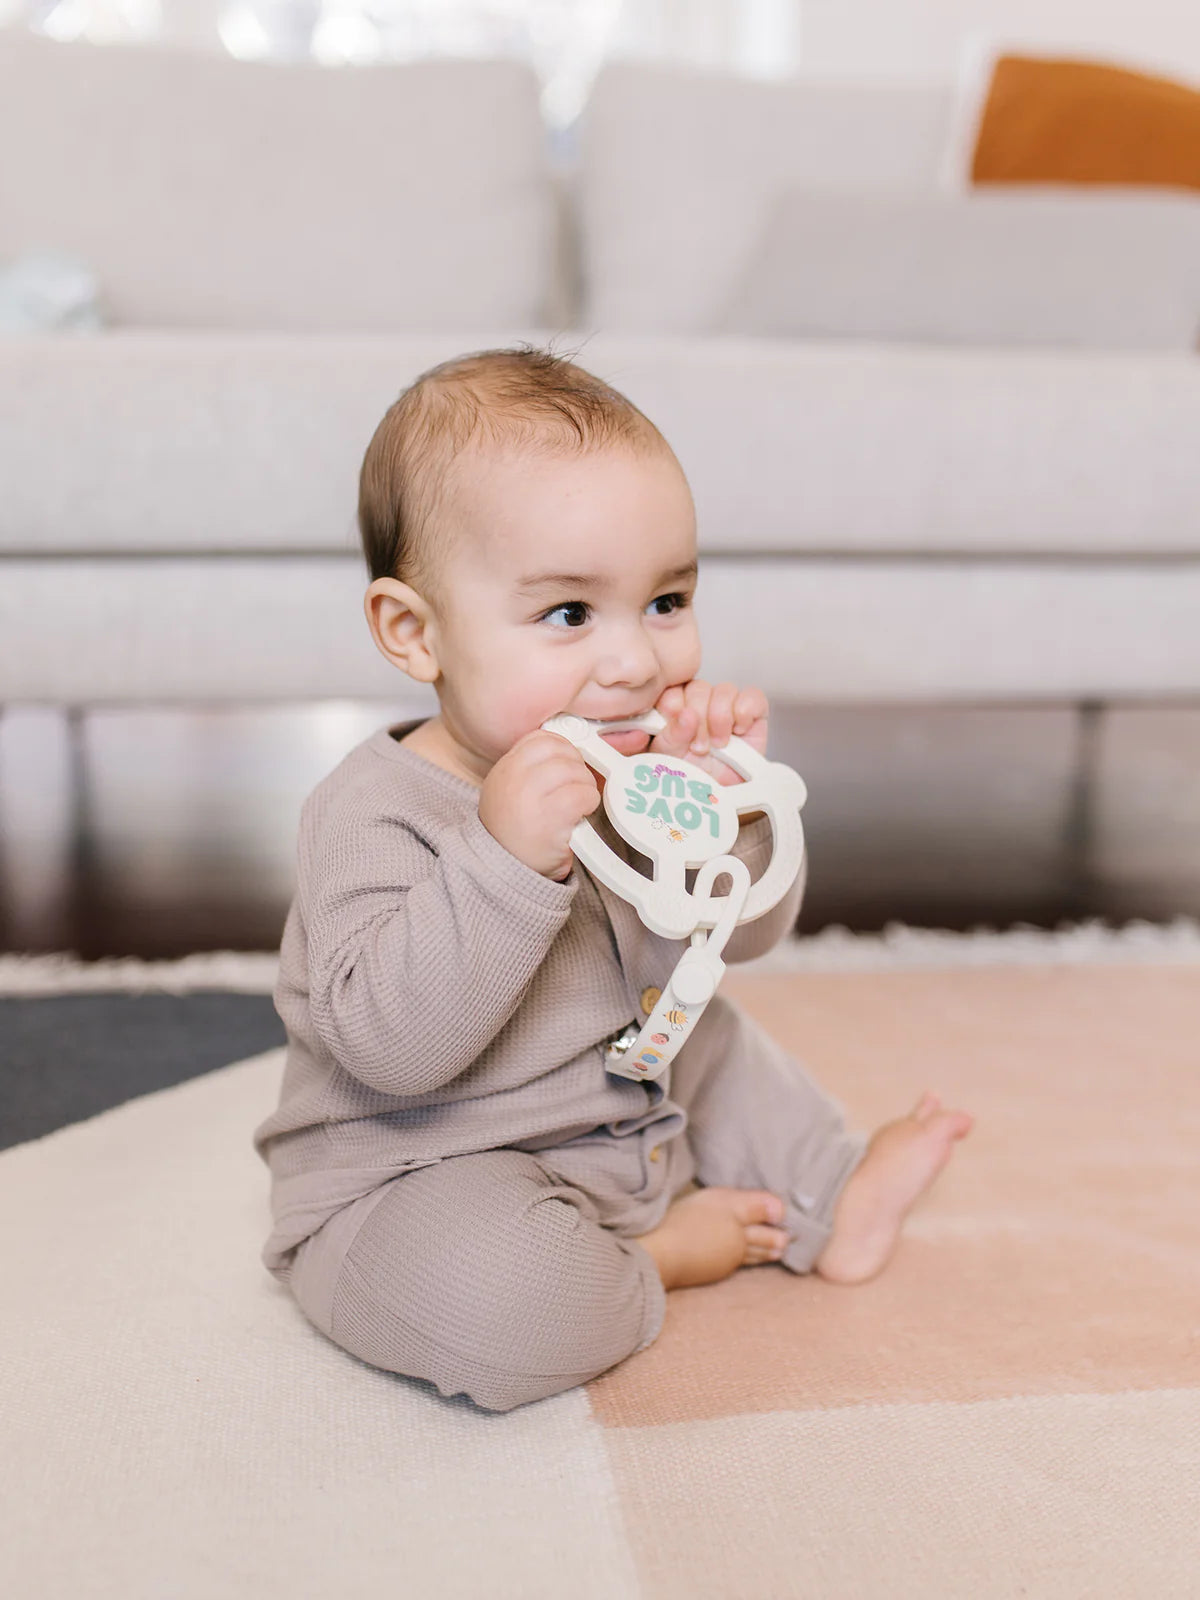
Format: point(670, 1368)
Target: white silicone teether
point(670, 810)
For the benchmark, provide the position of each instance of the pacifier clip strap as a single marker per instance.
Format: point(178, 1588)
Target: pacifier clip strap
point(691, 985)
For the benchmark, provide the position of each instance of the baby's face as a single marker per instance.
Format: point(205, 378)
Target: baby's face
point(568, 588)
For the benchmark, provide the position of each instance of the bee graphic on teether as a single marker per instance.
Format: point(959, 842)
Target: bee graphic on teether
point(677, 1019)
point(674, 833)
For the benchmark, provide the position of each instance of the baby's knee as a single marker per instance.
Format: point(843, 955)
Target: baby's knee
point(508, 1301)
point(569, 1302)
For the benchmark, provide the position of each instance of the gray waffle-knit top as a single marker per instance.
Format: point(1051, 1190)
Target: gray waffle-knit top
point(441, 997)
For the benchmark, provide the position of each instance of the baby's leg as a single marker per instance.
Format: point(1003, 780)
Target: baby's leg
point(756, 1120)
point(485, 1276)
point(755, 1117)
point(902, 1160)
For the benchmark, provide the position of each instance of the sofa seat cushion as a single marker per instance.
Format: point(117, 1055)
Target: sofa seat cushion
point(128, 442)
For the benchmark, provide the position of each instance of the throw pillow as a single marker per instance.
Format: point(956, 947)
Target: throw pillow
point(1069, 121)
point(1104, 270)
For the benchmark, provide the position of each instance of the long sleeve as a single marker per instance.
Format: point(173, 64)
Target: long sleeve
point(418, 958)
point(753, 939)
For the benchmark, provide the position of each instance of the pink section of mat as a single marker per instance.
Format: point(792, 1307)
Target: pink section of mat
point(1058, 1254)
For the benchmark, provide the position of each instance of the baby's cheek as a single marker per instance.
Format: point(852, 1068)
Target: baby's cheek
point(525, 713)
point(687, 651)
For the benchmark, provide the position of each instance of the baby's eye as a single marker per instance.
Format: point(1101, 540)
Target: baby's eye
point(577, 611)
point(577, 608)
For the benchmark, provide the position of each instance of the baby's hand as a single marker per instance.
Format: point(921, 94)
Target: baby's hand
point(533, 797)
point(701, 717)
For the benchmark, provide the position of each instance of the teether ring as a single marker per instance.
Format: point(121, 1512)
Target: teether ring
point(669, 809)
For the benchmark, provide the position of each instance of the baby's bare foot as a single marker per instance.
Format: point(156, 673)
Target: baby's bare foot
point(708, 1235)
point(902, 1160)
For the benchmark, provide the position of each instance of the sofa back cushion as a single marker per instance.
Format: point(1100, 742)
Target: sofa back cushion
point(681, 169)
point(1104, 269)
point(211, 193)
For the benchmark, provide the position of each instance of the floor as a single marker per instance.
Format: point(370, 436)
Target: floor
point(158, 832)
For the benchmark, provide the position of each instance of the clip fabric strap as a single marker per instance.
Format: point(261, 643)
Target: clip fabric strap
point(691, 985)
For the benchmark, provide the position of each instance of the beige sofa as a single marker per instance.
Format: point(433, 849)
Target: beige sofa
point(995, 547)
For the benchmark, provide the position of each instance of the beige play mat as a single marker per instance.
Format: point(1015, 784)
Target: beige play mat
point(1013, 1409)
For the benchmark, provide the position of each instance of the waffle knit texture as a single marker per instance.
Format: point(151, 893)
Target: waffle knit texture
point(441, 997)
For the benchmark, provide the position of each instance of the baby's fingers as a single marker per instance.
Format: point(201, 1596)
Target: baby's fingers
point(697, 694)
point(721, 713)
point(750, 707)
point(670, 701)
point(676, 737)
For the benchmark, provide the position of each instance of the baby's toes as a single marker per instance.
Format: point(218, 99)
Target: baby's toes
point(764, 1243)
point(957, 1123)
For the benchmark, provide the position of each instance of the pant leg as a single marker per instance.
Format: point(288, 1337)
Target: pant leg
point(632, 1178)
point(484, 1276)
point(756, 1120)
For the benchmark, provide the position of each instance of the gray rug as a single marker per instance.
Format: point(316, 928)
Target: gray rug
point(64, 1058)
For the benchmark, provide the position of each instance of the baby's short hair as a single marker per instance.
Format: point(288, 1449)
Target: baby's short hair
point(525, 397)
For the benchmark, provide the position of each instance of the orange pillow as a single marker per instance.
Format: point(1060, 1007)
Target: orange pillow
point(1079, 122)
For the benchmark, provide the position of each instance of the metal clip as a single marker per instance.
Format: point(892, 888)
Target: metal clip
point(622, 1041)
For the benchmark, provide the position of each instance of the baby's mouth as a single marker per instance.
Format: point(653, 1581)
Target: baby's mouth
point(629, 741)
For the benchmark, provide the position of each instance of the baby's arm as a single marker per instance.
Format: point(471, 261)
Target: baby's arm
point(419, 954)
point(417, 957)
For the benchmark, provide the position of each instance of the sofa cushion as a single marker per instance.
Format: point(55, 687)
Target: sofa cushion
point(140, 442)
point(832, 631)
point(1071, 121)
point(1116, 269)
point(211, 193)
point(680, 169)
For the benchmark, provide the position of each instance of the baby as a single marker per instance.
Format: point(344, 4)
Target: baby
point(461, 1191)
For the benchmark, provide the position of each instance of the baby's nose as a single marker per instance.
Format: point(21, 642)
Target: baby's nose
point(628, 664)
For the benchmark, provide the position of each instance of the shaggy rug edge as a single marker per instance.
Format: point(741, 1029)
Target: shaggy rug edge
point(833, 949)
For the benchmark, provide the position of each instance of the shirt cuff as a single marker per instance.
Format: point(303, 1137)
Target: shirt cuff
point(514, 874)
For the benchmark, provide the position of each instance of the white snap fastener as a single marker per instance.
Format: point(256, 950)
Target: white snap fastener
point(692, 983)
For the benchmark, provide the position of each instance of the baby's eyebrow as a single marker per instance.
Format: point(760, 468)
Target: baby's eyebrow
point(563, 580)
point(595, 580)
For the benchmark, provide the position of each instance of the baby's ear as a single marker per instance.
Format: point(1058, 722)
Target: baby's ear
point(399, 620)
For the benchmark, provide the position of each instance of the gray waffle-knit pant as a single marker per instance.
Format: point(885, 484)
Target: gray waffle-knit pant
point(514, 1274)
